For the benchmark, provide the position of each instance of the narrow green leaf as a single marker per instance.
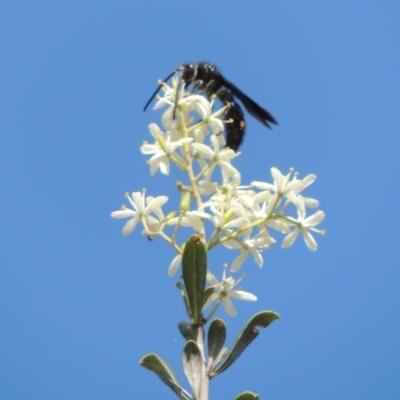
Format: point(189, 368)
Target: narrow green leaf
point(248, 396)
point(221, 356)
point(207, 293)
point(248, 333)
point(160, 367)
point(184, 297)
point(216, 339)
point(194, 270)
point(185, 328)
point(193, 365)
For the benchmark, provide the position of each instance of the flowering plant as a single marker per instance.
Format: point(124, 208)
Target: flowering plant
point(244, 218)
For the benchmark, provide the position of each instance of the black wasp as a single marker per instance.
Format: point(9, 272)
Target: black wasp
point(206, 77)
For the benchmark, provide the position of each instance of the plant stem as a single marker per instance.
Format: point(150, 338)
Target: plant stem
point(205, 380)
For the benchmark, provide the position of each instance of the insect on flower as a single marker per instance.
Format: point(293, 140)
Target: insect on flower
point(207, 78)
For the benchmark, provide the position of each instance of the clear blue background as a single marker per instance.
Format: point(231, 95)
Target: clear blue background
point(80, 304)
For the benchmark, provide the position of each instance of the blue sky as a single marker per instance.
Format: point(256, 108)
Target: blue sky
point(80, 304)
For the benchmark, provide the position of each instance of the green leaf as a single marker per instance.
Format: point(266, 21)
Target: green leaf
point(194, 270)
point(184, 296)
point(185, 328)
point(156, 364)
point(221, 356)
point(248, 333)
point(248, 396)
point(193, 365)
point(207, 293)
point(216, 339)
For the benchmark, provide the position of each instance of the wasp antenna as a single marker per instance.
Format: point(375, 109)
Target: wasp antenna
point(158, 89)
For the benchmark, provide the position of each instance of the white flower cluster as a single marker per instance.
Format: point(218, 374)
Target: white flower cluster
point(242, 217)
point(223, 291)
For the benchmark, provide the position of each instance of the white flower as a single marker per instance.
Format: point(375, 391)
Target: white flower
point(262, 210)
point(216, 156)
point(253, 246)
point(169, 95)
point(225, 220)
point(224, 291)
point(192, 103)
point(207, 188)
point(196, 103)
point(230, 183)
point(174, 266)
point(305, 225)
point(284, 187)
point(142, 209)
point(193, 219)
point(224, 213)
point(162, 150)
point(201, 106)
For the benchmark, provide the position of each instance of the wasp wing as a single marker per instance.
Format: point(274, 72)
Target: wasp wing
point(254, 109)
